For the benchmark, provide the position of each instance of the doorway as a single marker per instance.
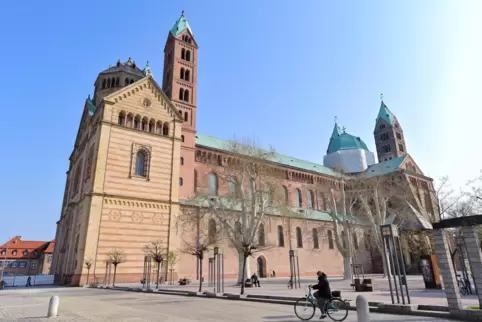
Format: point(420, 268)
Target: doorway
point(261, 261)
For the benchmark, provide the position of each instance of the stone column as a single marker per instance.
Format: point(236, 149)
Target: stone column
point(447, 270)
point(475, 257)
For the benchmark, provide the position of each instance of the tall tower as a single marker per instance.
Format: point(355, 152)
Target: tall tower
point(179, 83)
point(388, 133)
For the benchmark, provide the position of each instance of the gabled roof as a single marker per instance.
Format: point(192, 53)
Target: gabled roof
point(220, 144)
point(385, 114)
point(129, 67)
point(181, 25)
point(340, 140)
point(386, 167)
point(16, 243)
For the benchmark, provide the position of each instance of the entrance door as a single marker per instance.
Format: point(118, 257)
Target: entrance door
point(260, 267)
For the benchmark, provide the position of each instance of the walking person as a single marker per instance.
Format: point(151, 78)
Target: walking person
point(29, 282)
point(323, 293)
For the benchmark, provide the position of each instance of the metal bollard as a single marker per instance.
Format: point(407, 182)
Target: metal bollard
point(362, 310)
point(53, 306)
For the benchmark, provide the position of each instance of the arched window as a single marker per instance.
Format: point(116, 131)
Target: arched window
point(310, 199)
point(299, 238)
point(180, 181)
point(181, 94)
point(355, 240)
point(183, 53)
point(182, 138)
point(137, 122)
point(195, 180)
point(284, 195)
point(129, 120)
point(182, 161)
point(14, 253)
point(281, 236)
point(144, 123)
point(141, 163)
point(187, 75)
point(117, 82)
point(386, 148)
point(186, 95)
point(212, 184)
point(182, 74)
point(121, 119)
point(212, 231)
point(4, 252)
point(152, 125)
point(165, 129)
point(103, 84)
point(261, 240)
point(330, 239)
point(126, 81)
point(132, 81)
point(188, 55)
point(316, 242)
point(159, 127)
point(232, 183)
point(299, 198)
point(108, 82)
point(185, 116)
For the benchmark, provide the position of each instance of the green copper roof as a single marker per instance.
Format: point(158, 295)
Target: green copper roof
point(91, 106)
point(386, 167)
point(180, 25)
point(340, 140)
point(386, 115)
point(220, 144)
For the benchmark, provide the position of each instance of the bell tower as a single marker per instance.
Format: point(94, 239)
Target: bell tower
point(388, 133)
point(179, 84)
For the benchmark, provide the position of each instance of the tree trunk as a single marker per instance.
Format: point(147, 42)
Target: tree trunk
point(200, 274)
point(157, 275)
point(115, 271)
point(88, 272)
point(347, 274)
point(243, 276)
point(243, 267)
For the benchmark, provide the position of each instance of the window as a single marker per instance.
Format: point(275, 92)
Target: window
point(386, 148)
point(382, 126)
point(299, 238)
point(25, 253)
point(152, 126)
point(299, 199)
point(188, 55)
point(384, 136)
point(399, 135)
point(400, 147)
point(330, 239)
point(181, 94)
point(183, 53)
point(316, 242)
point(186, 95)
point(33, 265)
point(121, 119)
point(182, 161)
point(137, 122)
point(103, 84)
point(108, 82)
point(310, 199)
point(165, 129)
point(159, 127)
point(126, 82)
point(144, 126)
point(22, 264)
point(117, 81)
point(281, 237)
point(49, 259)
point(141, 164)
point(195, 180)
point(355, 240)
point(261, 240)
point(212, 230)
point(14, 264)
point(180, 181)
point(4, 252)
point(187, 75)
point(186, 116)
point(284, 195)
point(182, 138)
point(182, 73)
point(14, 253)
point(213, 184)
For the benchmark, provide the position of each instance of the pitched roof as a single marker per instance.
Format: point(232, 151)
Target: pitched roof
point(340, 140)
point(385, 114)
point(181, 25)
point(16, 243)
point(386, 167)
point(220, 144)
point(128, 67)
point(50, 247)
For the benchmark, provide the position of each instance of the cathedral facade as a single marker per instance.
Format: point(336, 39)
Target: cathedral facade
point(138, 157)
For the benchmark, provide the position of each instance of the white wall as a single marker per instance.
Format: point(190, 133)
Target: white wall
point(22, 280)
point(351, 161)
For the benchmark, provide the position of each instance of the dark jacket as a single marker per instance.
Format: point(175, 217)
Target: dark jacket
point(323, 287)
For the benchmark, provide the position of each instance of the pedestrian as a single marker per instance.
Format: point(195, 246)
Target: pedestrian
point(255, 280)
point(274, 273)
point(323, 293)
point(29, 282)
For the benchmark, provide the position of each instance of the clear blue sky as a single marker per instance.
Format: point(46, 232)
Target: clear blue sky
point(279, 70)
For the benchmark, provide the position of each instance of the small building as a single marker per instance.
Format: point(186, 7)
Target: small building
point(26, 257)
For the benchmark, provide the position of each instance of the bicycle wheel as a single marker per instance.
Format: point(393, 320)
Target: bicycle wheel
point(463, 289)
point(337, 309)
point(304, 309)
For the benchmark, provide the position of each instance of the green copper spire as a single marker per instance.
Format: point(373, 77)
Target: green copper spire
point(337, 131)
point(386, 115)
point(340, 140)
point(181, 25)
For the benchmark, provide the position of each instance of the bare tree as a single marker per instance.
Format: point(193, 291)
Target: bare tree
point(88, 264)
point(156, 251)
point(116, 257)
point(255, 191)
point(476, 193)
point(447, 199)
point(172, 259)
point(189, 220)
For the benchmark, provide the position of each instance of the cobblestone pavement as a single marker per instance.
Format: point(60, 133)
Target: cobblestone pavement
point(79, 304)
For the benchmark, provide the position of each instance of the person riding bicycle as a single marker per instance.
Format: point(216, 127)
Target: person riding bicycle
point(323, 293)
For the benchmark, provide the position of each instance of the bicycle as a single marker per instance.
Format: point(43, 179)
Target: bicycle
point(309, 304)
point(463, 286)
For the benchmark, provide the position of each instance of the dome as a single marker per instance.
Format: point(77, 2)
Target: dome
point(340, 140)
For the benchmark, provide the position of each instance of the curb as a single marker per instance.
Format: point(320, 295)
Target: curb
point(374, 307)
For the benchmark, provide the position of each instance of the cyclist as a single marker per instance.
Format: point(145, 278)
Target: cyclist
point(323, 293)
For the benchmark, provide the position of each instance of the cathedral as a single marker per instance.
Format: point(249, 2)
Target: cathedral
point(138, 158)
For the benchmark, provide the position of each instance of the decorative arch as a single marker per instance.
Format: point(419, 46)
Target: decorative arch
point(316, 242)
point(311, 199)
point(299, 198)
point(144, 124)
point(165, 129)
point(188, 55)
point(121, 120)
point(159, 127)
point(182, 73)
point(281, 236)
point(262, 270)
point(299, 238)
point(186, 95)
point(141, 160)
point(181, 94)
point(187, 75)
point(130, 120)
point(137, 122)
point(183, 53)
point(152, 125)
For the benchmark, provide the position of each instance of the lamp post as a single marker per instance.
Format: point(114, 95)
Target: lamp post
point(5, 260)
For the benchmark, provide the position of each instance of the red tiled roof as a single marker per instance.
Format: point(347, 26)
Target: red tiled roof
point(21, 246)
point(50, 247)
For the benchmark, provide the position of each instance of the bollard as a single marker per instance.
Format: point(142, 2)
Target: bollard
point(362, 310)
point(53, 306)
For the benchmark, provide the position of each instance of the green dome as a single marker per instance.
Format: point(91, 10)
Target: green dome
point(340, 140)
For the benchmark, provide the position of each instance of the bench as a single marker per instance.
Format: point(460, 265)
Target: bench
point(248, 283)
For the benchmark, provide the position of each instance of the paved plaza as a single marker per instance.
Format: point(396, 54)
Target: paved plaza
point(82, 304)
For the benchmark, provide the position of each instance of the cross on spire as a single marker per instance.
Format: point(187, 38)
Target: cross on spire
point(336, 119)
point(182, 13)
point(381, 96)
